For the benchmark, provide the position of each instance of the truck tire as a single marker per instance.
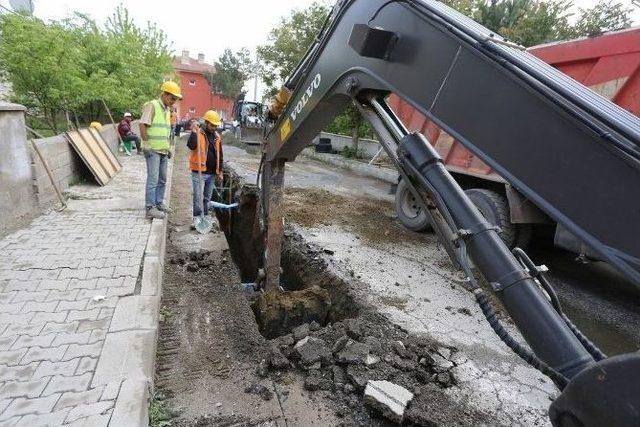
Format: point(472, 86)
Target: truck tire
point(410, 214)
point(495, 208)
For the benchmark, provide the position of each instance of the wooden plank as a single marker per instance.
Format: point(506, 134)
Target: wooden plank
point(78, 143)
point(99, 157)
point(105, 147)
point(102, 150)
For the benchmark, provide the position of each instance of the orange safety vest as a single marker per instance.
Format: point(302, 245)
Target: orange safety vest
point(198, 158)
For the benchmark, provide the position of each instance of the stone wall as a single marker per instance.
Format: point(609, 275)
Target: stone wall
point(17, 199)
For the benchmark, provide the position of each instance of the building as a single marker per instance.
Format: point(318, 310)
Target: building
point(196, 91)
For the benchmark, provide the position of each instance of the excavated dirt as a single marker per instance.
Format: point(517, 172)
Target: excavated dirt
point(215, 368)
point(368, 218)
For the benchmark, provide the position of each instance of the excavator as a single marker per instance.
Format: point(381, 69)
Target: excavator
point(572, 152)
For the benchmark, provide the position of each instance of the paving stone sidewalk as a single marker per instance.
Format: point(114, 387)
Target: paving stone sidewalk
point(77, 332)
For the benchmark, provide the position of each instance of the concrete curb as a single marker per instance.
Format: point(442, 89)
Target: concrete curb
point(129, 351)
point(384, 174)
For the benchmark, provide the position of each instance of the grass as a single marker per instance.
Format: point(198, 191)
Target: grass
point(159, 413)
point(352, 153)
point(166, 314)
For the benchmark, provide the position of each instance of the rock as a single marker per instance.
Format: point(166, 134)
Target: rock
point(315, 381)
point(192, 267)
point(374, 344)
point(445, 379)
point(353, 328)
point(348, 388)
point(340, 343)
point(311, 350)
point(353, 352)
point(407, 365)
point(371, 360)
point(277, 360)
point(287, 340)
point(263, 368)
point(388, 398)
point(356, 376)
point(444, 352)
point(300, 332)
point(440, 364)
point(400, 349)
point(328, 251)
point(259, 390)
point(339, 376)
point(314, 326)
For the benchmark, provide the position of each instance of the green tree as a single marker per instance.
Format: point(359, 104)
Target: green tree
point(232, 70)
point(288, 42)
point(604, 16)
point(40, 61)
point(73, 65)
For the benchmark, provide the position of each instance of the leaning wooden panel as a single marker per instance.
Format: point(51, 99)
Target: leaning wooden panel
point(85, 153)
point(102, 159)
point(105, 147)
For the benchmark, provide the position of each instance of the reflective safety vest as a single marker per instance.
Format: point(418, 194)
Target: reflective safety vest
point(160, 129)
point(198, 158)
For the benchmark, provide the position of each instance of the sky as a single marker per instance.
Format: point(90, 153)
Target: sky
point(201, 26)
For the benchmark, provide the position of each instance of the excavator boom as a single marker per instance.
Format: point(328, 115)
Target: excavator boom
point(573, 153)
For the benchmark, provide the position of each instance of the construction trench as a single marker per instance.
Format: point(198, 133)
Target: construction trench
point(227, 356)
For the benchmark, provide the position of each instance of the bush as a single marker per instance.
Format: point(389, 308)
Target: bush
point(352, 153)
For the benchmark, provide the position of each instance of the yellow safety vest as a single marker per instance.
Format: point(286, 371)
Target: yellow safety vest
point(159, 131)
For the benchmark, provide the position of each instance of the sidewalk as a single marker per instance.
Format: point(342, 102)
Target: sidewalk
point(79, 303)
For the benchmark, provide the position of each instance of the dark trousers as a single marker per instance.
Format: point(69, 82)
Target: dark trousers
point(135, 139)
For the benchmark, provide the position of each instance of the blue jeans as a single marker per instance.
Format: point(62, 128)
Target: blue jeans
point(156, 178)
point(209, 182)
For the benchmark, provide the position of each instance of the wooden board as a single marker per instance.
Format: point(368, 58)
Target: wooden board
point(103, 144)
point(95, 153)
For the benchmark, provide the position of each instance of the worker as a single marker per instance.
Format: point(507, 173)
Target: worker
point(206, 158)
point(127, 136)
point(155, 126)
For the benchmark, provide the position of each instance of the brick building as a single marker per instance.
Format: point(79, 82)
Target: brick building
point(196, 91)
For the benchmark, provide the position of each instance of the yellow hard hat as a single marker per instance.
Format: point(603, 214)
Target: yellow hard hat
point(96, 125)
point(213, 117)
point(171, 87)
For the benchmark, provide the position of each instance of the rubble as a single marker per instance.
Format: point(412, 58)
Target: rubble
point(260, 390)
point(311, 350)
point(388, 398)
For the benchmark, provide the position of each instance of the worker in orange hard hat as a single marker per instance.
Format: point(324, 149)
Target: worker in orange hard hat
point(205, 160)
point(155, 130)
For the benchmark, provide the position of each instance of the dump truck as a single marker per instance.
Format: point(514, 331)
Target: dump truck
point(608, 64)
point(570, 151)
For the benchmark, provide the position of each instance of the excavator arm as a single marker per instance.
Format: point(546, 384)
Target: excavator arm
point(573, 153)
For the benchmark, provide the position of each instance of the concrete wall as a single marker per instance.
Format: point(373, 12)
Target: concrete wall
point(65, 164)
point(17, 199)
point(338, 142)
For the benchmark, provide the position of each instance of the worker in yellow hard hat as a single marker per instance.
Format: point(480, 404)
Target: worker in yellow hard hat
point(205, 162)
point(155, 129)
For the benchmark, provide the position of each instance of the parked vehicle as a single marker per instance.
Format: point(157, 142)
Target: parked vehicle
point(248, 121)
point(608, 64)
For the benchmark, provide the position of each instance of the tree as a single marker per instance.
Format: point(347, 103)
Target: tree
point(289, 41)
point(604, 16)
point(532, 22)
point(40, 61)
point(73, 65)
point(231, 72)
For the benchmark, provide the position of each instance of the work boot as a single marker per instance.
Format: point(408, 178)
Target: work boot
point(163, 208)
point(154, 213)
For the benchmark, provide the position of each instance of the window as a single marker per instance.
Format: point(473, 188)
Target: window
point(192, 82)
point(192, 110)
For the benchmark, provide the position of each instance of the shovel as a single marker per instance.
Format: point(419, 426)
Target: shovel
point(205, 224)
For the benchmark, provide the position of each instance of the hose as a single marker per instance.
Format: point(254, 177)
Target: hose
point(525, 354)
point(555, 302)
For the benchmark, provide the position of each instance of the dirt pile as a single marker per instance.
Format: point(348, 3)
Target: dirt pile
point(343, 356)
